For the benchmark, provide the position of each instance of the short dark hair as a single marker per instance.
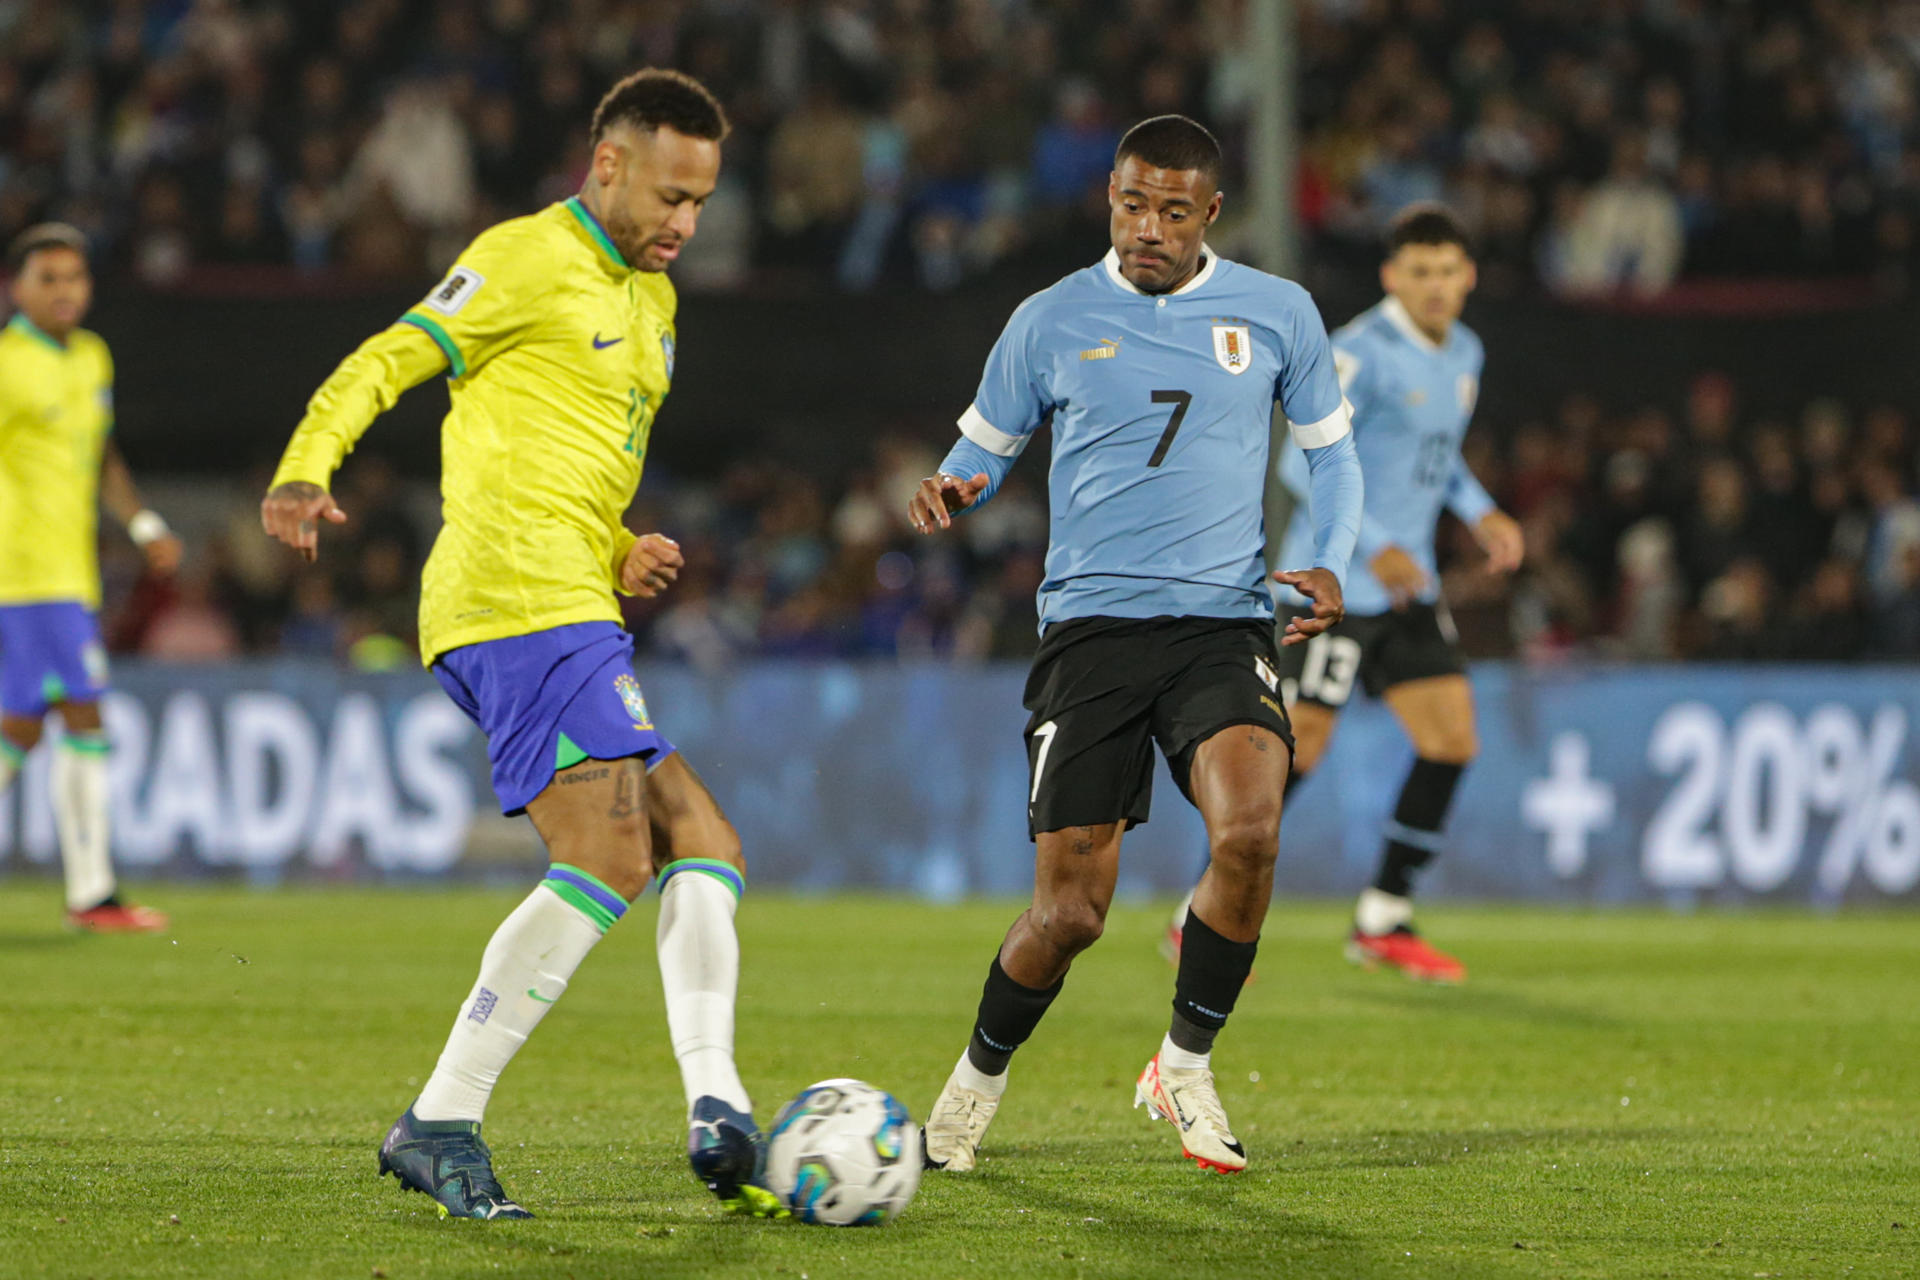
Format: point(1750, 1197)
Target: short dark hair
point(1172, 142)
point(46, 235)
point(1429, 223)
point(655, 98)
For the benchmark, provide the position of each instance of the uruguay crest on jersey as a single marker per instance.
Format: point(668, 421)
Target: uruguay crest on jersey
point(1233, 347)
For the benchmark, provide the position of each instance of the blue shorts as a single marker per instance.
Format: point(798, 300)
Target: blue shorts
point(49, 653)
point(549, 700)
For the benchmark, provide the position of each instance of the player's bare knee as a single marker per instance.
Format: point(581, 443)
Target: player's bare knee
point(22, 733)
point(1455, 745)
point(1071, 925)
point(1245, 843)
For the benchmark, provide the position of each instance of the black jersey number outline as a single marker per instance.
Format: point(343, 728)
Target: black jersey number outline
point(1179, 400)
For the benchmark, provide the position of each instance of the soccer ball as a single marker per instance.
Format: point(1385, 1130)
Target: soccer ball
point(844, 1153)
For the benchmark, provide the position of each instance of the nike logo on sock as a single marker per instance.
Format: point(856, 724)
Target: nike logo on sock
point(537, 996)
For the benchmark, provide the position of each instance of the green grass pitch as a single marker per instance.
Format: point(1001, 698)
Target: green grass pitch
point(1612, 1094)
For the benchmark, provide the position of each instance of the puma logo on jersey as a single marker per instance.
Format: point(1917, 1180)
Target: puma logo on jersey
point(1107, 350)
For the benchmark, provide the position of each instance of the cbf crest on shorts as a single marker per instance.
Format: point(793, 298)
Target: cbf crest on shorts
point(1233, 347)
point(636, 704)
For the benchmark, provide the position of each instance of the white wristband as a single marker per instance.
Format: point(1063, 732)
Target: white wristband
point(147, 526)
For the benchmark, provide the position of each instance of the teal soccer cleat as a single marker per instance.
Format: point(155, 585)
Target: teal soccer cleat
point(729, 1155)
point(448, 1160)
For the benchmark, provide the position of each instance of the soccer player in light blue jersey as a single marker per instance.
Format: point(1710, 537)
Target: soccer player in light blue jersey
point(1412, 373)
point(1159, 368)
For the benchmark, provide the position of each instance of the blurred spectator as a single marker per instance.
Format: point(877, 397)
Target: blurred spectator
point(891, 141)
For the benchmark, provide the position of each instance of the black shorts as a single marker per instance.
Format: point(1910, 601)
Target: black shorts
point(1104, 690)
point(1380, 650)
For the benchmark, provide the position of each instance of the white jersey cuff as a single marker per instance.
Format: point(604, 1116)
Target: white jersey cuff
point(1318, 435)
point(975, 427)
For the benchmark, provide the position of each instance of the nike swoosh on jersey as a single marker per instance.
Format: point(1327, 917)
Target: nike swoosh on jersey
point(602, 346)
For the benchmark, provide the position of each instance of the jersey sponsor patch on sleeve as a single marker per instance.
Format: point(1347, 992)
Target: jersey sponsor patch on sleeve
point(454, 292)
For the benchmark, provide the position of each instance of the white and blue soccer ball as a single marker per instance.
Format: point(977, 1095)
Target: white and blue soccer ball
point(845, 1154)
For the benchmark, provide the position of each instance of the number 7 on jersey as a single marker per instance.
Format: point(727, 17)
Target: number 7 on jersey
point(1179, 400)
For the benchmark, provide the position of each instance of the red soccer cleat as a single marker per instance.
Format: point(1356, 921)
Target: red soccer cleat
point(1407, 951)
point(118, 917)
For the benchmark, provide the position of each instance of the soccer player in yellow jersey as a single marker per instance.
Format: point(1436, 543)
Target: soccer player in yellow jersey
point(556, 331)
point(57, 466)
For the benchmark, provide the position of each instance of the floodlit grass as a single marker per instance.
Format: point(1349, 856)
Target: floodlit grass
point(1611, 1095)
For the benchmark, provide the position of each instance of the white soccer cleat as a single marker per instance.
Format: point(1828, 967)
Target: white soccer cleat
point(1186, 1100)
point(958, 1121)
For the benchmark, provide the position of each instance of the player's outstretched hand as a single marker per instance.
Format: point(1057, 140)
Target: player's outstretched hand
point(290, 512)
point(651, 566)
point(1329, 606)
point(163, 554)
point(938, 497)
point(1396, 571)
point(1500, 537)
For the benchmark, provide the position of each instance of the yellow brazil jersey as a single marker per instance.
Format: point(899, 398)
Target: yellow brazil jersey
point(559, 355)
point(56, 407)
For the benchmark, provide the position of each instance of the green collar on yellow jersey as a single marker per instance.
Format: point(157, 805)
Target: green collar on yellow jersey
point(33, 330)
point(594, 229)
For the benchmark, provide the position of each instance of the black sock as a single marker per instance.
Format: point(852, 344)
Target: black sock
point(1212, 971)
point(1008, 1014)
point(1413, 836)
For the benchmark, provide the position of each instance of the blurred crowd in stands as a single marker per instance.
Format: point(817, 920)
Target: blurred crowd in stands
point(1695, 530)
point(1595, 145)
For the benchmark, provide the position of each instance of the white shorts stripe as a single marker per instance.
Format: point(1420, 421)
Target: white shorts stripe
point(975, 427)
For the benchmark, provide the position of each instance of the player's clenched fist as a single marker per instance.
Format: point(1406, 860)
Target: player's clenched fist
point(939, 497)
point(290, 512)
point(1329, 607)
point(651, 566)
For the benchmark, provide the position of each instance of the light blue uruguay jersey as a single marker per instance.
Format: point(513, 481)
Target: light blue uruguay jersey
point(1161, 405)
point(1412, 400)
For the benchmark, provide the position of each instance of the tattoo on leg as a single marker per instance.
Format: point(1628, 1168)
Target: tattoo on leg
point(1082, 841)
point(1257, 739)
point(626, 795)
point(584, 775)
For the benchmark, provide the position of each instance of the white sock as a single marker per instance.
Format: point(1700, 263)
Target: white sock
point(80, 815)
point(968, 1076)
point(699, 972)
point(524, 970)
point(1379, 912)
point(1174, 1058)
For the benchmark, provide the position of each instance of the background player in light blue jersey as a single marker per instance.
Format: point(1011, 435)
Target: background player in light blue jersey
point(1412, 373)
point(1159, 367)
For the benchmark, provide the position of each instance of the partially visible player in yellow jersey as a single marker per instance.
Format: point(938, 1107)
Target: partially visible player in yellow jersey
point(57, 465)
point(556, 333)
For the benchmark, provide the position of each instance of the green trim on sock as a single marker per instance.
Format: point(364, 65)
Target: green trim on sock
point(566, 754)
point(602, 918)
point(53, 688)
point(86, 744)
point(725, 872)
point(583, 901)
point(12, 752)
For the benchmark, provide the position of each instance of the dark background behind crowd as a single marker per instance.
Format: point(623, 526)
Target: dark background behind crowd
point(1674, 155)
